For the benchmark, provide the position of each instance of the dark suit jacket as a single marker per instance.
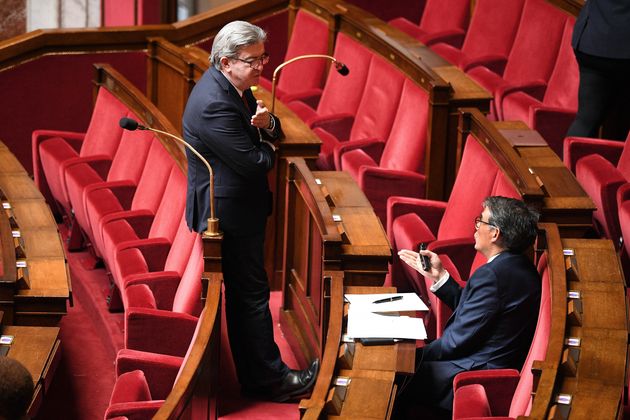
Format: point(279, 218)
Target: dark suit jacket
point(494, 316)
point(603, 29)
point(217, 124)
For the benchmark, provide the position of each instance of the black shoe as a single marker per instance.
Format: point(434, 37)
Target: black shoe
point(296, 384)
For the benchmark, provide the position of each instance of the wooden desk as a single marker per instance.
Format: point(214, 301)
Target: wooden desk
point(41, 290)
point(37, 348)
point(370, 370)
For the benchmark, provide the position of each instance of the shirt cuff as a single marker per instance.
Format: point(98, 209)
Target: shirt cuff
point(435, 286)
point(270, 144)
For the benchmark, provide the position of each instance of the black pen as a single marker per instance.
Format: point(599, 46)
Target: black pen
point(389, 299)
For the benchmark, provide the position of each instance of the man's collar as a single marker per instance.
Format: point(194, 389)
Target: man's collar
point(240, 92)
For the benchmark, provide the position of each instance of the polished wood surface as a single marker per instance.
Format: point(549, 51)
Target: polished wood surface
point(37, 348)
point(40, 290)
point(328, 227)
point(535, 171)
point(370, 370)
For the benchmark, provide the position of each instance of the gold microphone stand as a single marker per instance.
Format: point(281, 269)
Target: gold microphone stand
point(213, 222)
point(338, 64)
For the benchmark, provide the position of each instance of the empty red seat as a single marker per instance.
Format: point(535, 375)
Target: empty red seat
point(540, 29)
point(304, 79)
point(601, 167)
point(623, 196)
point(441, 21)
point(141, 227)
point(127, 166)
point(106, 202)
point(374, 117)
point(489, 37)
point(148, 319)
point(342, 94)
point(156, 262)
point(504, 392)
point(54, 150)
point(395, 167)
point(552, 115)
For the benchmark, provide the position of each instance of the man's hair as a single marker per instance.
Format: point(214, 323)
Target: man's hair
point(232, 37)
point(515, 220)
point(16, 389)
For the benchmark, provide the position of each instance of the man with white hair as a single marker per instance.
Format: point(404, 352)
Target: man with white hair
point(234, 132)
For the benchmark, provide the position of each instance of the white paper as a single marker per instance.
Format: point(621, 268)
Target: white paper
point(409, 302)
point(365, 324)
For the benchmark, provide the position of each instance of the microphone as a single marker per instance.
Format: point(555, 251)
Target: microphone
point(213, 223)
point(341, 68)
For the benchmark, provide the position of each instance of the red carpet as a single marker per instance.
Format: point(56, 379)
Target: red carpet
point(90, 338)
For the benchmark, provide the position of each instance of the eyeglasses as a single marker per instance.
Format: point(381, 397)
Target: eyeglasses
point(478, 223)
point(255, 63)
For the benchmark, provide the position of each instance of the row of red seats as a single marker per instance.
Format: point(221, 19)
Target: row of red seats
point(372, 123)
point(126, 193)
point(520, 51)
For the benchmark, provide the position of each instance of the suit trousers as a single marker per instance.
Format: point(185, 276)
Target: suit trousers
point(602, 94)
point(250, 327)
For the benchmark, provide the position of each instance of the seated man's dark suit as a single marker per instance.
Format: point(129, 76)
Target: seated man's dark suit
point(217, 124)
point(492, 327)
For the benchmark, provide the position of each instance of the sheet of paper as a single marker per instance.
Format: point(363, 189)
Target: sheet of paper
point(409, 302)
point(365, 324)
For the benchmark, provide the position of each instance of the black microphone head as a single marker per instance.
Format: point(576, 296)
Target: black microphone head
point(128, 124)
point(342, 69)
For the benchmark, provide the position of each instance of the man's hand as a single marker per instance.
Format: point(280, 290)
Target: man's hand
point(262, 118)
point(412, 259)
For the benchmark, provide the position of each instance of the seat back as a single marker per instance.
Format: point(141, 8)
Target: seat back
point(188, 296)
point(492, 28)
point(474, 182)
point(540, 31)
point(623, 165)
point(521, 402)
point(309, 36)
point(342, 94)
point(179, 253)
point(381, 96)
point(171, 207)
point(130, 158)
point(563, 84)
point(103, 134)
point(439, 15)
point(154, 177)
point(405, 148)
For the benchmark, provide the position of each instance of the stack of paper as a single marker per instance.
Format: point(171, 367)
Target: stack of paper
point(367, 319)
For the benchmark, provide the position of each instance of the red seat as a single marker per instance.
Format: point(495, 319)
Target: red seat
point(373, 119)
point(342, 94)
point(54, 150)
point(142, 228)
point(144, 381)
point(442, 21)
point(504, 392)
point(601, 167)
point(304, 79)
point(624, 222)
point(395, 167)
point(552, 116)
point(447, 227)
point(126, 167)
point(106, 202)
point(540, 29)
point(148, 319)
point(489, 37)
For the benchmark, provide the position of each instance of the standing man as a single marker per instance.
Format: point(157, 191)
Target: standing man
point(494, 316)
point(601, 41)
point(233, 131)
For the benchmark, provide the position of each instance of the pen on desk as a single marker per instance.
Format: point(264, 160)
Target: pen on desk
point(389, 299)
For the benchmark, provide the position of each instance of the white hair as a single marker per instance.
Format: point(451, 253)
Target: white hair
point(232, 37)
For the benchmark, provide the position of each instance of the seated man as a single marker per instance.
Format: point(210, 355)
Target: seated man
point(494, 316)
